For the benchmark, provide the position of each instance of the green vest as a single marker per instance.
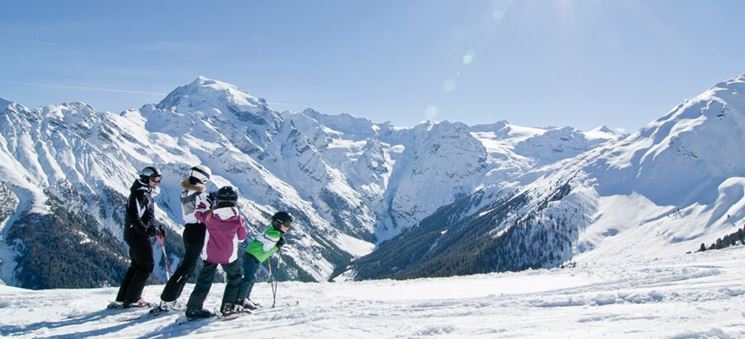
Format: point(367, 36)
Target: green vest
point(264, 245)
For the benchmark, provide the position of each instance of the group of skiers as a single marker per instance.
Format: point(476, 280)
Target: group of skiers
point(209, 218)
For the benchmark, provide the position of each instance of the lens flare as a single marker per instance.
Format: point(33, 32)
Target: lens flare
point(468, 58)
point(448, 86)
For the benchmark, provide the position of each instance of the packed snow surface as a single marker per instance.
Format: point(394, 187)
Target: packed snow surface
point(691, 295)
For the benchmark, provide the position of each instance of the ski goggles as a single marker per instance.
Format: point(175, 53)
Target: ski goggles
point(201, 176)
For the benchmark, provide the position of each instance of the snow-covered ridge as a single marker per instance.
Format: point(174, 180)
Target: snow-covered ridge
point(668, 188)
point(680, 178)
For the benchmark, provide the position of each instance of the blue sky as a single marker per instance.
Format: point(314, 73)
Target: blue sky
point(533, 62)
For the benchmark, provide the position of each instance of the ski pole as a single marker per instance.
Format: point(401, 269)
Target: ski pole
point(160, 240)
point(273, 283)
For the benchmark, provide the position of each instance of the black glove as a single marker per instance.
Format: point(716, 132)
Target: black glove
point(150, 231)
point(280, 242)
point(212, 198)
point(160, 232)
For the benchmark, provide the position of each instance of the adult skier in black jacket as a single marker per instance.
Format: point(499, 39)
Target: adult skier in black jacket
point(140, 224)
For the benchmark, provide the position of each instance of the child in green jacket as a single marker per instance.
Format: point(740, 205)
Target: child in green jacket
point(260, 249)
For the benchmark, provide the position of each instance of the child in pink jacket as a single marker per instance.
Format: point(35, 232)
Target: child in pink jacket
point(225, 230)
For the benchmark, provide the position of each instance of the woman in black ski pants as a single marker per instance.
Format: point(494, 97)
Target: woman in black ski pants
point(140, 225)
point(193, 198)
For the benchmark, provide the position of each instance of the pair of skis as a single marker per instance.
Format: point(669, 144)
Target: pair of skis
point(219, 317)
point(216, 316)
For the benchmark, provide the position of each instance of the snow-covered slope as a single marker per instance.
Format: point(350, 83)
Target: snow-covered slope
point(675, 184)
point(687, 296)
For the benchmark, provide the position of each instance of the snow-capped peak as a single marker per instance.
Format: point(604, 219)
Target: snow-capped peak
point(209, 93)
point(603, 129)
point(601, 132)
point(689, 151)
point(61, 110)
point(206, 104)
point(351, 126)
point(4, 102)
point(725, 90)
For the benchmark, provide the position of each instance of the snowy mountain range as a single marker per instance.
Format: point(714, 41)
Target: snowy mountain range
point(662, 191)
point(435, 199)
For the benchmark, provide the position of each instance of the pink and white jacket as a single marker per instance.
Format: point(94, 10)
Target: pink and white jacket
point(225, 230)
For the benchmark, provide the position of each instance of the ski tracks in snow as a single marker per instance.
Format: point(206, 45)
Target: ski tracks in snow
point(694, 295)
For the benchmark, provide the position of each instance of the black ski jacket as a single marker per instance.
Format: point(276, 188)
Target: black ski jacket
point(140, 209)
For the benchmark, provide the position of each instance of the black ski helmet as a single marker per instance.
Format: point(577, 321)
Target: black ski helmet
point(282, 217)
point(200, 173)
point(226, 197)
point(149, 172)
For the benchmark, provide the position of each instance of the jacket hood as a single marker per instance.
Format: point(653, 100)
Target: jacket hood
point(225, 213)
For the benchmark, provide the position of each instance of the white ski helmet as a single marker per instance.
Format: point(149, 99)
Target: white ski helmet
point(201, 173)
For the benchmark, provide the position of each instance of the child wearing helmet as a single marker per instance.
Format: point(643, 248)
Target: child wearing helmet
point(139, 225)
point(225, 229)
point(258, 251)
point(193, 199)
